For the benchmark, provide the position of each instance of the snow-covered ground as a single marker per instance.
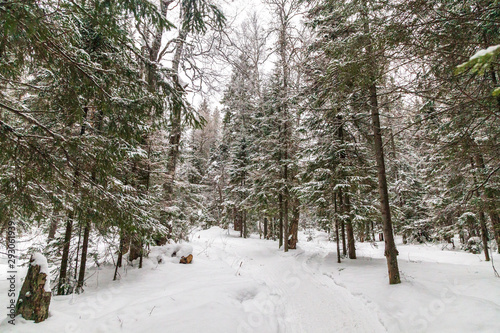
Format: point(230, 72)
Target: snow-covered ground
point(248, 285)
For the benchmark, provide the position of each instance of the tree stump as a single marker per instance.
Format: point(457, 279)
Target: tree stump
point(186, 260)
point(34, 298)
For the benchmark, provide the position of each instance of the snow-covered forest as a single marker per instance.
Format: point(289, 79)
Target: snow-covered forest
point(249, 166)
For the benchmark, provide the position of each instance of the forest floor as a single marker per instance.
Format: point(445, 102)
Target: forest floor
point(248, 285)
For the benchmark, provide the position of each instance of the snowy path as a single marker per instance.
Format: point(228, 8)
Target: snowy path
point(305, 299)
point(248, 285)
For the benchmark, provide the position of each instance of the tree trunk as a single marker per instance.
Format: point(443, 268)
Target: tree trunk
point(173, 153)
point(489, 202)
point(266, 236)
point(391, 252)
point(285, 219)
point(175, 119)
point(141, 254)
point(236, 220)
point(78, 251)
point(284, 21)
point(337, 227)
point(373, 230)
point(115, 276)
point(175, 115)
point(54, 222)
point(121, 250)
point(342, 224)
point(286, 194)
point(240, 223)
point(83, 263)
point(63, 287)
point(350, 231)
point(245, 233)
point(280, 236)
point(120, 255)
point(260, 228)
point(484, 235)
point(273, 229)
point(294, 226)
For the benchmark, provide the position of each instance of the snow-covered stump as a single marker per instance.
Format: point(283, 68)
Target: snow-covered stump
point(34, 298)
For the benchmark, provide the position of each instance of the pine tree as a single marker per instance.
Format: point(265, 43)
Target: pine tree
point(345, 27)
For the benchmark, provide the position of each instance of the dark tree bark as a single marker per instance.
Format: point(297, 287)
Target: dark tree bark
point(34, 301)
point(240, 223)
point(344, 242)
point(119, 260)
point(373, 230)
point(121, 251)
point(294, 225)
point(115, 276)
point(337, 227)
point(63, 287)
point(266, 236)
point(245, 234)
point(350, 231)
point(273, 228)
point(285, 217)
point(276, 228)
point(391, 253)
point(83, 263)
point(141, 255)
point(280, 236)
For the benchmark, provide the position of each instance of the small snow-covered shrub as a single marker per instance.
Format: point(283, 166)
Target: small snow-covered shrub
point(467, 226)
point(417, 233)
point(473, 245)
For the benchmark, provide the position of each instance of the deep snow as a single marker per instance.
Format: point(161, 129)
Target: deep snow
point(248, 285)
